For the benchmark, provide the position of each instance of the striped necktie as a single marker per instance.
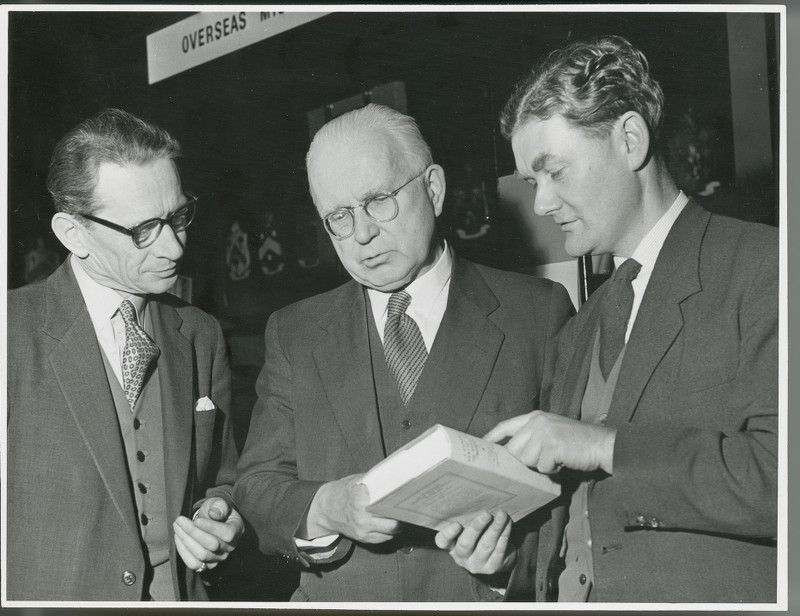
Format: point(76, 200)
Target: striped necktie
point(403, 346)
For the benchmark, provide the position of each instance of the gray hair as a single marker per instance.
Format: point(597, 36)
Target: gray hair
point(590, 84)
point(111, 136)
point(347, 128)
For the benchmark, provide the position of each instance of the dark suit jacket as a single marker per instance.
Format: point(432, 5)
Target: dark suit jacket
point(72, 526)
point(691, 508)
point(317, 420)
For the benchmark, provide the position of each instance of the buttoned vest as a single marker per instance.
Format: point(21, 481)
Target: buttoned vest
point(143, 438)
point(577, 579)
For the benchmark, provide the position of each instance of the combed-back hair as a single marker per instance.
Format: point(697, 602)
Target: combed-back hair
point(349, 128)
point(111, 136)
point(590, 84)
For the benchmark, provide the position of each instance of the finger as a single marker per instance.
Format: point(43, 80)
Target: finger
point(525, 446)
point(385, 526)
point(375, 537)
point(218, 509)
point(493, 532)
point(498, 559)
point(201, 544)
point(223, 532)
point(468, 540)
point(445, 539)
point(188, 558)
point(506, 428)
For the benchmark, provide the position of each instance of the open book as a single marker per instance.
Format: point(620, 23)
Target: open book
point(445, 475)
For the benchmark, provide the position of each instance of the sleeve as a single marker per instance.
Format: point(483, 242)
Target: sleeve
point(268, 490)
point(688, 477)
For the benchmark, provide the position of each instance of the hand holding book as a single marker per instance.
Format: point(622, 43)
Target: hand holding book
point(446, 476)
point(482, 547)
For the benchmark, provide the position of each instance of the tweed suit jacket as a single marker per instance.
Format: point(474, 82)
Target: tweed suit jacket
point(690, 512)
point(317, 420)
point(73, 532)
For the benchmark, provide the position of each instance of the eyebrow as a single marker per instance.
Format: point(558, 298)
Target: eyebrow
point(540, 161)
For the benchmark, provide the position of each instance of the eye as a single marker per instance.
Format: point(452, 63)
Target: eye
point(557, 174)
point(531, 182)
point(338, 215)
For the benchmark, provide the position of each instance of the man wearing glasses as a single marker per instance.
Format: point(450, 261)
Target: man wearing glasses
point(119, 444)
point(420, 336)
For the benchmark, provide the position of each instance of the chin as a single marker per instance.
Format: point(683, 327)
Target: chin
point(159, 287)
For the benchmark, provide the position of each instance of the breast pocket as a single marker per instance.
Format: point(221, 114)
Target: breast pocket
point(709, 356)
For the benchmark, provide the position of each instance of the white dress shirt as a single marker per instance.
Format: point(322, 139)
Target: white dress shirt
point(103, 306)
point(429, 295)
point(647, 252)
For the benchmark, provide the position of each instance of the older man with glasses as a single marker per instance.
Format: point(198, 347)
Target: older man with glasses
point(419, 336)
point(120, 448)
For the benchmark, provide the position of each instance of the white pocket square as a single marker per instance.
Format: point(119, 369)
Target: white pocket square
point(204, 404)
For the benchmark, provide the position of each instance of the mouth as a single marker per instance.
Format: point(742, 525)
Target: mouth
point(375, 260)
point(167, 272)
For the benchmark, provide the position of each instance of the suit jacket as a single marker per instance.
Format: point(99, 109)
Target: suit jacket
point(690, 512)
point(73, 532)
point(317, 419)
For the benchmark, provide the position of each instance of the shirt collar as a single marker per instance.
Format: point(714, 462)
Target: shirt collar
point(102, 302)
point(647, 251)
point(424, 290)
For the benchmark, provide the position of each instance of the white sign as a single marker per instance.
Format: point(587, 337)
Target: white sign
point(206, 36)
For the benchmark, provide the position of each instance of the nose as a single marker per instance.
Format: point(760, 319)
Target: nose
point(365, 228)
point(169, 244)
point(545, 201)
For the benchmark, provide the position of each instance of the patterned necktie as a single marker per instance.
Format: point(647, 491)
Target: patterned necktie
point(615, 312)
point(403, 345)
point(139, 352)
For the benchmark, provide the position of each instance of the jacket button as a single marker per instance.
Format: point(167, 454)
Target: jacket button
point(129, 578)
point(137, 424)
point(142, 488)
point(406, 424)
point(140, 456)
point(144, 519)
point(582, 579)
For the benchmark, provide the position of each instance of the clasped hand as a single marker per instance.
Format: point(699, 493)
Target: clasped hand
point(210, 536)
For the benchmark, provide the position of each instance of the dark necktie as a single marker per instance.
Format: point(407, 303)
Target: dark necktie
point(139, 352)
point(403, 345)
point(615, 312)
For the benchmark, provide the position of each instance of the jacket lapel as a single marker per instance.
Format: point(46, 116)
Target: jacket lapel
point(577, 375)
point(659, 320)
point(342, 356)
point(78, 367)
point(465, 349)
point(176, 379)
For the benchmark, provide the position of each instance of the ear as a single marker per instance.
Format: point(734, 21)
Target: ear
point(436, 185)
point(70, 233)
point(636, 136)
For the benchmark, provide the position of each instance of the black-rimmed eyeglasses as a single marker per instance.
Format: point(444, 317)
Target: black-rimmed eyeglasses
point(341, 222)
point(147, 232)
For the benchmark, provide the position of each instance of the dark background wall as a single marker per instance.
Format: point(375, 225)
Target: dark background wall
point(243, 118)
